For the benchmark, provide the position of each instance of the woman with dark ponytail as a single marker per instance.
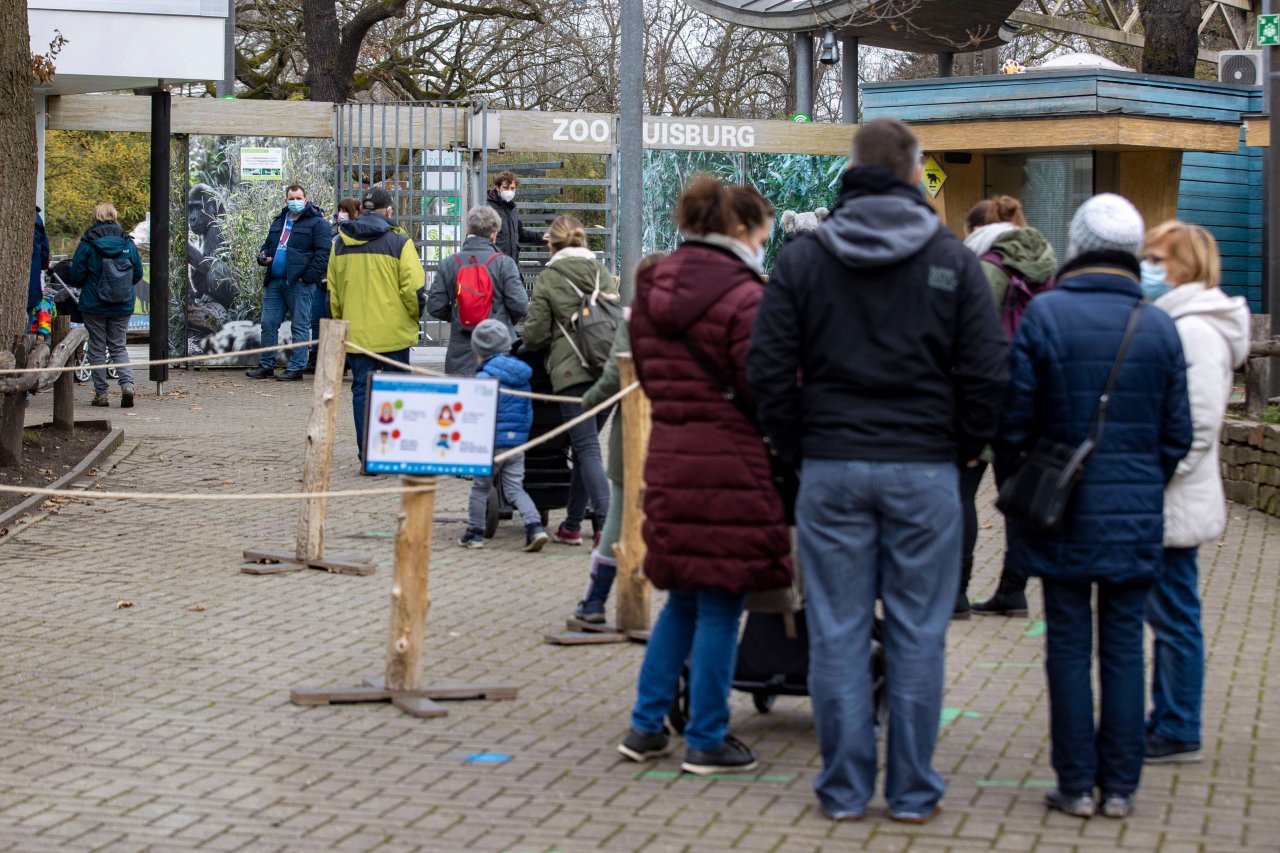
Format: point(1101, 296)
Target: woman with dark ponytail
point(714, 523)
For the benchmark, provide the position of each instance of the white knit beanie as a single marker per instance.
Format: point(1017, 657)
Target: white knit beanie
point(1106, 222)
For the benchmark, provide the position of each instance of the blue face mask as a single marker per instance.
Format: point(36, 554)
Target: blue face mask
point(1153, 282)
point(297, 205)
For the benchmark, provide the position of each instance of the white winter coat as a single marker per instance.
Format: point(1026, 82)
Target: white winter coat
point(1214, 329)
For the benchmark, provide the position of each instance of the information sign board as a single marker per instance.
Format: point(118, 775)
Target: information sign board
point(426, 425)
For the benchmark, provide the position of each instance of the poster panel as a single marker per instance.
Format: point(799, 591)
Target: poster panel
point(424, 425)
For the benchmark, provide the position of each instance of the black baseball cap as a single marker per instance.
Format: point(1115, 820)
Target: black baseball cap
point(375, 198)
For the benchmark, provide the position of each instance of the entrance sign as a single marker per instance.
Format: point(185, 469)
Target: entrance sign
point(934, 177)
point(261, 164)
point(424, 425)
point(1268, 30)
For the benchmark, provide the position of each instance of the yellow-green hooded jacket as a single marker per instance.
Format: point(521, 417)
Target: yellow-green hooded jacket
point(376, 283)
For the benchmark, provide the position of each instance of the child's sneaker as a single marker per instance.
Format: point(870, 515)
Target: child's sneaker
point(567, 537)
point(590, 611)
point(472, 539)
point(535, 537)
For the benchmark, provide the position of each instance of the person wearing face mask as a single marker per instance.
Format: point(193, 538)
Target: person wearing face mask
point(1180, 273)
point(295, 255)
point(715, 526)
point(502, 198)
point(348, 209)
point(879, 365)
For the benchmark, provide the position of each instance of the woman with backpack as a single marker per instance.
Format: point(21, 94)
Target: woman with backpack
point(1018, 262)
point(573, 275)
point(715, 525)
point(106, 266)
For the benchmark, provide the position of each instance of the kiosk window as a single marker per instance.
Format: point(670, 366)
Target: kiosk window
point(1050, 187)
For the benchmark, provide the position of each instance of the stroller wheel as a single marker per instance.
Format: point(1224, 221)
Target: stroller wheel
point(679, 713)
point(491, 515)
point(764, 701)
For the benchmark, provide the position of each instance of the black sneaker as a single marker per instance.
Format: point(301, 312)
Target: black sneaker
point(639, 746)
point(472, 539)
point(535, 537)
point(1163, 750)
point(732, 756)
point(1116, 805)
point(289, 376)
point(1076, 805)
point(590, 611)
point(126, 397)
point(261, 373)
point(1002, 604)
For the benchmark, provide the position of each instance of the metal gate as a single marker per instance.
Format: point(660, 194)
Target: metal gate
point(417, 151)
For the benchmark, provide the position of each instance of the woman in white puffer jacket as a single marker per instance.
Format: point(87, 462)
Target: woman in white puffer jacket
point(1180, 273)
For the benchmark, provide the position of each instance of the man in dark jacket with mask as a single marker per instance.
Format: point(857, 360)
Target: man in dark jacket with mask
point(295, 253)
point(879, 364)
point(502, 198)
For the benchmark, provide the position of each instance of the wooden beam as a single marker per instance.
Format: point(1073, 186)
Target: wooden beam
point(211, 116)
point(633, 586)
point(1257, 132)
point(318, 457)
point(1092, 31)
point(1088, 131)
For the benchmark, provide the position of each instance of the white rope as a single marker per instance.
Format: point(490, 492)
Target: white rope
point(207, 356)
point(567, 425)
point(426, 371)
point(94, 494)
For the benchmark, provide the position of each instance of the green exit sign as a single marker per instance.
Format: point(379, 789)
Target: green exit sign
point(1268, 30)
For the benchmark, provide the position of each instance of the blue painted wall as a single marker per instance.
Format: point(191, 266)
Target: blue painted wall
point(1222, 192)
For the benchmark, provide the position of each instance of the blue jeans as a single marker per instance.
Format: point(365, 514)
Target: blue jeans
point(361, 366)
point(1109, 758)
point(277, 298)
point(508, 478)
point(1177, 682)
point(588, 481)
point(890, 530)
point(319, 311)
point(701, 627)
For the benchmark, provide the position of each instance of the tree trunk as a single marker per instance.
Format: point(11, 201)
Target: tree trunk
point(1172, 37)
point(332, 51)
point(18, 200)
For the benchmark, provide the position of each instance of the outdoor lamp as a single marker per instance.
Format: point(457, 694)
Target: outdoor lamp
point(830, 48)
point(1007, 31)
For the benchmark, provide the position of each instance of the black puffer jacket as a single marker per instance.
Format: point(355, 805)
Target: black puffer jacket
point(888, 319)
point(513, 234)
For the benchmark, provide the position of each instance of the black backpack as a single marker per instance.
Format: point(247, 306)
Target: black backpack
point(114, 283)
point(593, 326)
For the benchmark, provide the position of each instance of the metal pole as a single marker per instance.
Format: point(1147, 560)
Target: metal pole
point(849, 81)
point(631, 145)
point(160, 145)
point(227, 85)
point(804, 73)
point(1271, 203)
point(946, 62)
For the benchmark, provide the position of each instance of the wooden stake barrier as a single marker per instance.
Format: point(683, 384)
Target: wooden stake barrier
point(316, 468)
point(1257, 371)
point(64, 387)
point(410, 602)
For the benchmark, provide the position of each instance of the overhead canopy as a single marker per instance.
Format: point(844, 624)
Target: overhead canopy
point(919, 26)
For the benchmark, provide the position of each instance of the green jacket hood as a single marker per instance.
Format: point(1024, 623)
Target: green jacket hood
point(366, 228)
point(1028, 253)
point(108, 238)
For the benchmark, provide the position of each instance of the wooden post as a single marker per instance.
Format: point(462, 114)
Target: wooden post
point(409, 597)
point(64, 388)
point(319, 454)
point(1257, 371)
point(633, 586)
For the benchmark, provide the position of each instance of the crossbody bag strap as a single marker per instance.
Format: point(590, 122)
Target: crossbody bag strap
point(724, 390)
point(1100, 416)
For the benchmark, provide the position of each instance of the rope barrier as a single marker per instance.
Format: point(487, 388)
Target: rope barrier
point(567, 425)
point(91, 494)
point(207, 356)
point(426, 371)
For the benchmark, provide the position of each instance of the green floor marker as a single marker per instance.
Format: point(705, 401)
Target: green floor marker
point(1036, 628)
point(1004, 664)
point(775, 777)
point(658, 774)
point(950, 715)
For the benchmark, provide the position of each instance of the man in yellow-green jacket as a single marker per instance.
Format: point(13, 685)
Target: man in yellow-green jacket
point(376, 285)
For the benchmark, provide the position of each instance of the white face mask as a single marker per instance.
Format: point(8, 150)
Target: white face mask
point(342, 216)
point(507, 195)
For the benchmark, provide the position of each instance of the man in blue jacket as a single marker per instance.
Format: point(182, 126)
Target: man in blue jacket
point(295, 253)
point(887, 319)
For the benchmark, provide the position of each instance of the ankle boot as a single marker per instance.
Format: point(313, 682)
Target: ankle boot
point(603, 571)
point(1010, 599)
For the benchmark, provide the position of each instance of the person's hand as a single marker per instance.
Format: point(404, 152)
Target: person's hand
point(263, 259)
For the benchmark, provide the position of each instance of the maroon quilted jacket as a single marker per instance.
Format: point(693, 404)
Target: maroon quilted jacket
point(712, 517)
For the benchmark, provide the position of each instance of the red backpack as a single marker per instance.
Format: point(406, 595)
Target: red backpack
point(1018, 295)
point(475, 290)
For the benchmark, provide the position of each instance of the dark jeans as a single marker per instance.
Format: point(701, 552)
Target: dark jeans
point(278, 298)
point(319, 311)
point(1177, 679)
point(588, 478)
point(1110, 756)
point(970, 480)
point(361, 366)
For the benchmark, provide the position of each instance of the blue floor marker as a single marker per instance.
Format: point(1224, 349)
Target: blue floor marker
point(488, 758)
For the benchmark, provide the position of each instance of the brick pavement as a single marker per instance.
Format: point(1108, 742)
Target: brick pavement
point(159, 727)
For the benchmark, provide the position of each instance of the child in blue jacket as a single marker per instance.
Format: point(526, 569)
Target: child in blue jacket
point(491, 343)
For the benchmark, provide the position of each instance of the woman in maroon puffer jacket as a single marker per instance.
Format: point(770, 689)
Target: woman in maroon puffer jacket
point(714, 523)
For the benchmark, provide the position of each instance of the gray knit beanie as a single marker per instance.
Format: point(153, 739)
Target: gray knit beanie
point(1106, 222)
point(490, 338)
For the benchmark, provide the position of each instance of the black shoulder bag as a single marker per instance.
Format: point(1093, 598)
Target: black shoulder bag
point(1038, 495)
point(785, 479)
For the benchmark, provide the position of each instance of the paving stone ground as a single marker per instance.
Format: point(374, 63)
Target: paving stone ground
point(161, 727)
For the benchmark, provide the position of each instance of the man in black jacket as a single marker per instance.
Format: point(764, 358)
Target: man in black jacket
point(502, 198)
point(295, 253)
point(879, 365)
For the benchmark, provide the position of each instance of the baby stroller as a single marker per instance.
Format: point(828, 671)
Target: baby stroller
point(773, 661)
point(546, 467)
